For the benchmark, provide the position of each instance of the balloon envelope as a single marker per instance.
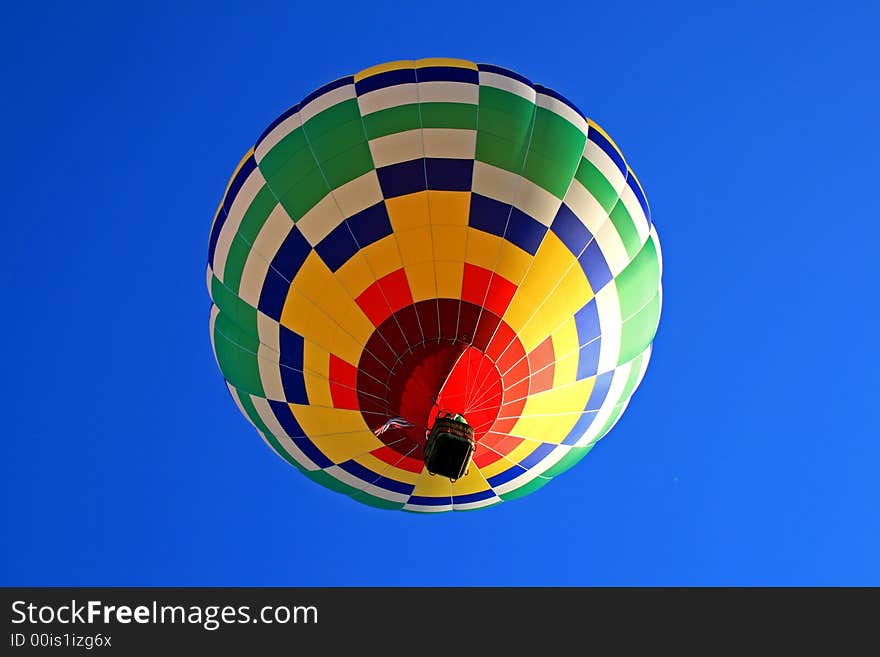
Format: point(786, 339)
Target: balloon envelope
point(424, 236)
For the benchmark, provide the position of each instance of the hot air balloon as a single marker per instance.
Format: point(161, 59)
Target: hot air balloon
point(435, 285)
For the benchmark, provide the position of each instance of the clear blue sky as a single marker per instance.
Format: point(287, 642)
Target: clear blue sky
point(748, 456)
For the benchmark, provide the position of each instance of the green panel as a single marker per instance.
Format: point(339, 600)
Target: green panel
point(330, 482)
point(291, 172)
point(235, 261)
point(377, 502)
point(254, 417)
point(257, 213)
point(332, 118)
point(462, 116)
point(635, 368)
point(239, 365)
point(392, 120)
point(500, 152)
point(302, 197)
point(638, 331)
point(554, 153)
point(293, 143)
point(574, 455)
point(597, 184)
point(639, 281)
point(504, 129)
point(531, 487)
point(343, 138)
point(625, 227)
point(612, 419)
point(236, 311)
point(549, 173)
point(347, 166)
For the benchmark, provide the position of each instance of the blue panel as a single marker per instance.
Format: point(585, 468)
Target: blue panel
point(402, 178)
point(285, 418)
point(571, 230)
point(600, 391)
point(429, 501)
point(215, 235)
point(473, 497)
point(291, 254)
point(273, 294)
point(309, 449)
point(587, 321)
point(596, 269)
point(369, 476)
point(503, 477)
point(447, 174)
point(599, 139)
point(291, 345)
point(447, 74)
point(525, 232)
point(371, 224)
point(294, 385)
point(336, 249)
point(580, 428)
point(588, 359)
point(488, 215)
point(235, 186)
point(537, 455)
point(386, 79)
point(489, 68)
point(281, 119)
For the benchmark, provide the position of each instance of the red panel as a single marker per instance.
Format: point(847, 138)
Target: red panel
point(481, 287)
point(486, 328)
point(392, 457)
point(429, 318)
point(501, 291)
point(542, 364)
point(343, 383)
point(484, 456)
point(475, 283)
point(384, 297)
point(396, 288)
point(517, 391)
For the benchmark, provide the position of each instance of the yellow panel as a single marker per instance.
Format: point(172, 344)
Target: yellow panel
point(432, 486)
point(382, 468)
point(318, 421)
point(355, 275)
point(552, 429)
point(384, 68)
point(449, 208)
point(317, 389)
point(415, 245)
point(565, 346)
point(316, 359)
point(449, 277)
point(297, 312)
point(343, 345)
point(522, 307)
point(449, 242)
point(409, 211)
point(421, 279)
point(493, 253)
point(356, 323)
point(445, 61)
point(557, 307)
point(339, 448)
point(472, 482)
point(567, 399)
point(383, 257)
